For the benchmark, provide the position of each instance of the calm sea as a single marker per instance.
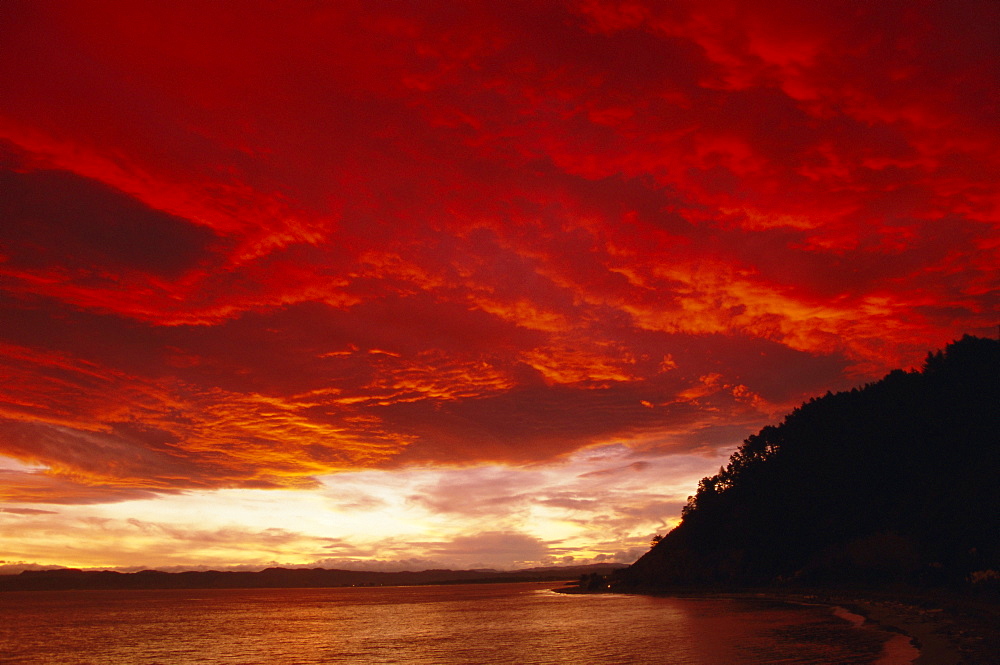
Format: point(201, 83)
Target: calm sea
point(443, 625)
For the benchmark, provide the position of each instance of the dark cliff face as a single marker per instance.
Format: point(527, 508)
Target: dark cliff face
point(894, 482)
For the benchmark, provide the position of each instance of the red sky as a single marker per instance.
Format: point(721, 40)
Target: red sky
point(460, 282)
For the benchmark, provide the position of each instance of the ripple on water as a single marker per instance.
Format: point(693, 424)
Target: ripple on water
point(523, 624)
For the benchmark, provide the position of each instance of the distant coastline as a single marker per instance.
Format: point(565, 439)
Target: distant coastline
point(67, 579)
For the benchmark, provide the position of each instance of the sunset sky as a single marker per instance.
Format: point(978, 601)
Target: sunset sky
point(460, 284)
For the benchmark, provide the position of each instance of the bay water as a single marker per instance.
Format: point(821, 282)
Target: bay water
point(521, 624)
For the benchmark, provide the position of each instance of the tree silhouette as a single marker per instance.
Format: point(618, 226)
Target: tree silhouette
point(892, 481)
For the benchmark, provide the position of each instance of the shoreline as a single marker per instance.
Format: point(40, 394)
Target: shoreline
point(934, 628)
point(945, 629)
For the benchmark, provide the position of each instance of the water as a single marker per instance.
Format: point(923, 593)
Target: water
point(521, 624)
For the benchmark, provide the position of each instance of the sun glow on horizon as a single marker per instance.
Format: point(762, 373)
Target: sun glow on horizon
point(365, 518)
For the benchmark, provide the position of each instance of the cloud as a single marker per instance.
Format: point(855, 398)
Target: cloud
point(100, 230)
point(492, 549)
point(17, 567)
point(480, 491)
point(89, 539)
point(25, 487)
point(27, 511)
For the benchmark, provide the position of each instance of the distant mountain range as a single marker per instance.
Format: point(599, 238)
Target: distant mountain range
point(893, 483)
point(69, 578)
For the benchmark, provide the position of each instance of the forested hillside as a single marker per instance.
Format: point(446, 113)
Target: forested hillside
point(893, 482)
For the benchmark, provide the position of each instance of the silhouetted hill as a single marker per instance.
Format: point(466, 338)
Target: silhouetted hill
point(69, 578)
point(893, 483)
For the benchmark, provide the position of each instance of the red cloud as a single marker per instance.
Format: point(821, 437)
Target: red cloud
point(244, 250)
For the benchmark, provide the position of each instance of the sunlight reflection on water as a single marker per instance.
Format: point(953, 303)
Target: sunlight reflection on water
point(520, 624)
